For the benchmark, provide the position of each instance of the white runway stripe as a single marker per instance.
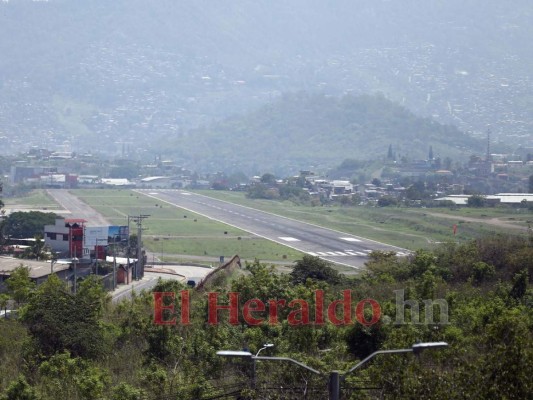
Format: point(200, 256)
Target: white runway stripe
point(289, 239)
point(345, 253)
point(350, 239)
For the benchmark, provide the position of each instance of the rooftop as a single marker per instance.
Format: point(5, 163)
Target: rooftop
point(38, 269)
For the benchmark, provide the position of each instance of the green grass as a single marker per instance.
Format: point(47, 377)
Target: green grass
point(37, 198)
point(484, 212)
point(186, 234)
point(404, 227)
point(173, 231)
point(247, 248)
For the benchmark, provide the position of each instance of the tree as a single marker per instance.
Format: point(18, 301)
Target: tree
point(416, 191)
point(20, 390)
point(4, 300)
point(385, 201)
point(476, 200)
point(28, 224)
point(509, 357)
point(482, 271)
point(36, 250)
point(519, 285)
point(311, 267)
point(363, 340)
point(19, 284)
point(130, 171)
point(61, 321)
point(220, 185)
point(262, 191)
point(127, 392)
point(66, 377)
point(268, 179)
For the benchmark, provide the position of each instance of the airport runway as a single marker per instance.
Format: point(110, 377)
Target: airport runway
point(331, 245)
point(77, 208)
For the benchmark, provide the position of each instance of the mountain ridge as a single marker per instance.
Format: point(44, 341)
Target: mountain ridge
point(73, 73)
point(304, 131)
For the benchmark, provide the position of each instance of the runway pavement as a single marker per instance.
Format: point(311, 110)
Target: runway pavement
point(77, 208)
point(331, 245)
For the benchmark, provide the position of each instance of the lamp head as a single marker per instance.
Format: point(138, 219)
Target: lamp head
point(419, 347)
point(234, 353)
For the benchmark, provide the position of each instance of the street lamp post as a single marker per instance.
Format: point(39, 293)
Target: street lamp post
point(335, 377)
point(254, 363)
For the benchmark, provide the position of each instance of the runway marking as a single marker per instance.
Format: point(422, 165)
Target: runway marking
point(345, 253)
point(153, 193)
point(312, 254)
point(288, 239)
point(350, 239)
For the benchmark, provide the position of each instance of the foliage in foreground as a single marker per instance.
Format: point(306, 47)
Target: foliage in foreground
point(475, 296)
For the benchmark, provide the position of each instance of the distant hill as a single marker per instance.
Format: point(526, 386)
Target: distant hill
point(302, 131)
point(124, 74)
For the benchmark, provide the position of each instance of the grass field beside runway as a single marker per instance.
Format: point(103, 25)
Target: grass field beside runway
point(410, 228)
point(174, 231)
point(37, 199)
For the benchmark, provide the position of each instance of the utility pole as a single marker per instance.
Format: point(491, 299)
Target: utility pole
point(139, 268)
point(114, 270)
point(75, 260)
point(129, 219)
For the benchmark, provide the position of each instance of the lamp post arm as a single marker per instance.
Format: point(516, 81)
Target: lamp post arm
point(375, 354)
point(287, 359)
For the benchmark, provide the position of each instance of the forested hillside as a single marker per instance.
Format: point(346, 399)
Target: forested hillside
point(476, 297)
point(303, 131)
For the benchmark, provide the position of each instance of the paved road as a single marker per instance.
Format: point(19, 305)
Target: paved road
point(125, 292)
point(331, 245)
point(151, 277)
